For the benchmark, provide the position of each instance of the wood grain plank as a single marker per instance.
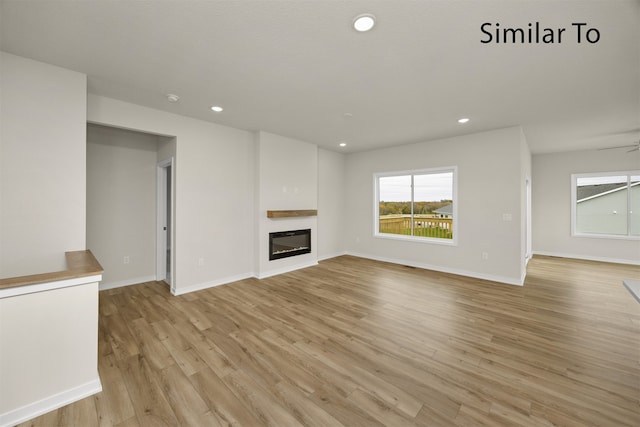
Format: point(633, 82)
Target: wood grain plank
point(356, 342)
point(223, 403)
point(291, 213)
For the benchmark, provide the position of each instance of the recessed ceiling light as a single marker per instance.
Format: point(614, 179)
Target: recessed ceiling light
point(172, 98)
point(364, 22)
point(463, 120)
point(343, 144)
point(216, 108)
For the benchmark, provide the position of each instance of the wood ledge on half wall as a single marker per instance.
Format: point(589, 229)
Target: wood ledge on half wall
point(292, 213)
point(79, 264)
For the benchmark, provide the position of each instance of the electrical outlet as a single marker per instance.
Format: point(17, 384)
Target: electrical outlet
point(126, 259)
point(200, 262)
point(485, 255)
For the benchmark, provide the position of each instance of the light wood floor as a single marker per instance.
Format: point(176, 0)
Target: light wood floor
point(355, 342)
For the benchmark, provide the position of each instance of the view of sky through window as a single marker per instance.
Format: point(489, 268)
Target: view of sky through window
point(428, 188)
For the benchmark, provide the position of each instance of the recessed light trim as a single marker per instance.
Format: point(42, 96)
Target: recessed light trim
point(217, 109)
point(363, 23)
point(172, 98)
point(343, 144)
point(463, 120)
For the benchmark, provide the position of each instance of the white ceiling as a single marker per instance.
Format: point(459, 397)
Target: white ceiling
point(295, 67)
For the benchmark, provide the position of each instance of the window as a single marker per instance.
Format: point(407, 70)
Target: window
point(417, 205)
point(606, 205)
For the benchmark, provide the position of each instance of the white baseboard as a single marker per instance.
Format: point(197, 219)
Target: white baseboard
point(211, 284)
point(588, 257)
point(334, 255)
point(35, 409)
point(236, 278)
point(287, 269)
point(128, 282)
point(475, 275)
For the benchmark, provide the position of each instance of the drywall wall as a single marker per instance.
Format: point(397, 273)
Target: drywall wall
point(42, 165)
point(552, 205)
point(48, 349)
point(287, 179)
point(490, 171)
point(121, 203)
point(331, 209)
point(214, 178)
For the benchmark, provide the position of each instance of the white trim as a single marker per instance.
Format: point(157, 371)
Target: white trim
point(416, 239)
point(412, 173)
point(160, 219)
point(161, 211)
point(608, 236)
point(528, 218)
point(286, 269)
point(35, 409)
point(236, 278)
point(48, 286)
point(603, 174)
point(588, 257)
point(333, 255)
point(473, 274)
point(211, 284)
point(126, 282)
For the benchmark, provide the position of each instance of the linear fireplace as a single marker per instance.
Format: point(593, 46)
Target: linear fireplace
point(284, 244)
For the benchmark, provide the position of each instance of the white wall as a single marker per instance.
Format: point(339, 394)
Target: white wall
point(48, 350)
point(490, 174)
point(287, 172)
point(552, 205)
point(214, 178)
point(42, 165)
point(331, 204)
point(121, 203)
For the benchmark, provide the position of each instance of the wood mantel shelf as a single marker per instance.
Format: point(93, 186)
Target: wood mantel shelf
point(293, 213)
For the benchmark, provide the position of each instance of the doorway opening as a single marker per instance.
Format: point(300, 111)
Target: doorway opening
point(165, 223)
point(527, 237)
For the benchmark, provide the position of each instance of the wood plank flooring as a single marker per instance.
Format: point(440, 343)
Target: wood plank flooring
point(354, 342)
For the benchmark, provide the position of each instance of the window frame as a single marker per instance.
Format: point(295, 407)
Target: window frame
point(429, 240)
point(574, 205)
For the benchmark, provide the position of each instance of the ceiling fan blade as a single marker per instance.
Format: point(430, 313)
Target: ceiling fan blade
point(620, 146)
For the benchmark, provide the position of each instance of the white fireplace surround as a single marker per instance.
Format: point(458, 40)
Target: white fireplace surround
point(286, 180)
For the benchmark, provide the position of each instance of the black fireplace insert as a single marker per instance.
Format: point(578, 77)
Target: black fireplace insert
point(284, 244)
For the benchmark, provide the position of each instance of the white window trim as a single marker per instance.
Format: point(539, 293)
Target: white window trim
point(429, 240)
point(574, 196)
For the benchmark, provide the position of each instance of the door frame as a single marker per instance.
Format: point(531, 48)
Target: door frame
point(165, 168)
point(527, 238)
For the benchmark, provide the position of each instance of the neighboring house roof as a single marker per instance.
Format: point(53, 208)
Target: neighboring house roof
point(587, 192)
point(445, 210)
